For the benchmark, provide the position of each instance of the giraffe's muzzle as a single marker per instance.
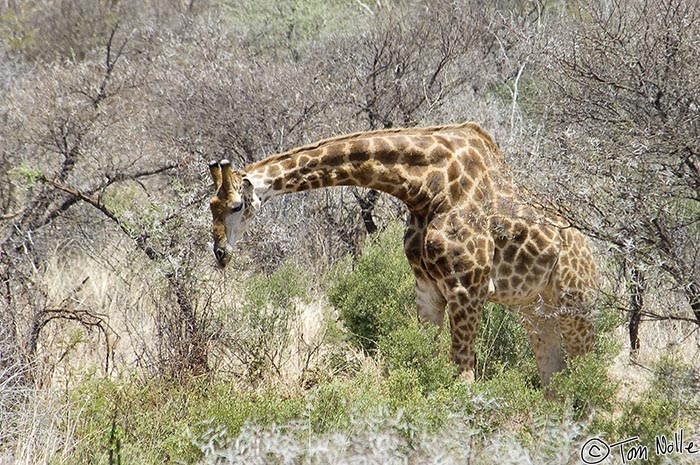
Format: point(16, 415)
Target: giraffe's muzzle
point(223, 254)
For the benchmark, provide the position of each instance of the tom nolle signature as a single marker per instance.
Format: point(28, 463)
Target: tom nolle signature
point(595, 450)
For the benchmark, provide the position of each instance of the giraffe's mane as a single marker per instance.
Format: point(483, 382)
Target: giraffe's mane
point(382, 132)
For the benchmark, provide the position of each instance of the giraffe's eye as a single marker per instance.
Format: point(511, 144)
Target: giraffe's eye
point(236, 208)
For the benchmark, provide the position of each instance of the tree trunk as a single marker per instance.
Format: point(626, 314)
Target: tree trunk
point(692, 293)
point(636, 289)
point(367, 204)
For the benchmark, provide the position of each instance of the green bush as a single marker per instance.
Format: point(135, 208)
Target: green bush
point(133, 420)
point(414, 351)
point(157, 421)
point(332, 405)
point(502, 344)
point(586, 383)
point(509, 398)
point(678, 381)
point(377, 296)
point(376, 303)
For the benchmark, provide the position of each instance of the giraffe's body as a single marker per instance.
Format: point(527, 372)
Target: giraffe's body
point(470, 238)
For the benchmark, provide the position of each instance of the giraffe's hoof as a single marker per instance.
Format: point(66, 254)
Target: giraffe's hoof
point(467, 376)
point(551, 395)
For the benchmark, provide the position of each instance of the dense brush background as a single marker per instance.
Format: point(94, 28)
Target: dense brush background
point(121, 342)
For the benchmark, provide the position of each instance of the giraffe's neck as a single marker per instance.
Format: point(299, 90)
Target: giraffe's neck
point(428, 169)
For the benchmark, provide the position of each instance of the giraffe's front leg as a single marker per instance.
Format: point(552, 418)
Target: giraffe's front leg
point(464, 309)
point(458, 253)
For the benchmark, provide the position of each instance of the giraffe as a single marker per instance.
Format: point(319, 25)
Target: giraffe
point(471, 236)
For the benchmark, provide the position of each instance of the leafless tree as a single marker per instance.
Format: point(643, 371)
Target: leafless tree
point(65, 150)
point(622, 115)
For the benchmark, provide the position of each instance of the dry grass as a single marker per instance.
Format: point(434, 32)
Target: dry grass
point(37, 426)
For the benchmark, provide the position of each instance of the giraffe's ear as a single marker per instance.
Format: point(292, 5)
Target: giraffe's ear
point(249, 192)
point(226, 177)
point(215, 171)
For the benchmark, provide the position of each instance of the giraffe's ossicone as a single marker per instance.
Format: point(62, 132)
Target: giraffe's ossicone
point(471, 236)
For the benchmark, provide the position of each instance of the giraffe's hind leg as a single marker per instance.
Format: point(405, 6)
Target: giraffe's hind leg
point(577, 331)
point(545, 337)
point(573, 293)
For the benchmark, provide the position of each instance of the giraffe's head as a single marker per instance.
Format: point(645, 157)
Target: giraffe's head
point(232, 207)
